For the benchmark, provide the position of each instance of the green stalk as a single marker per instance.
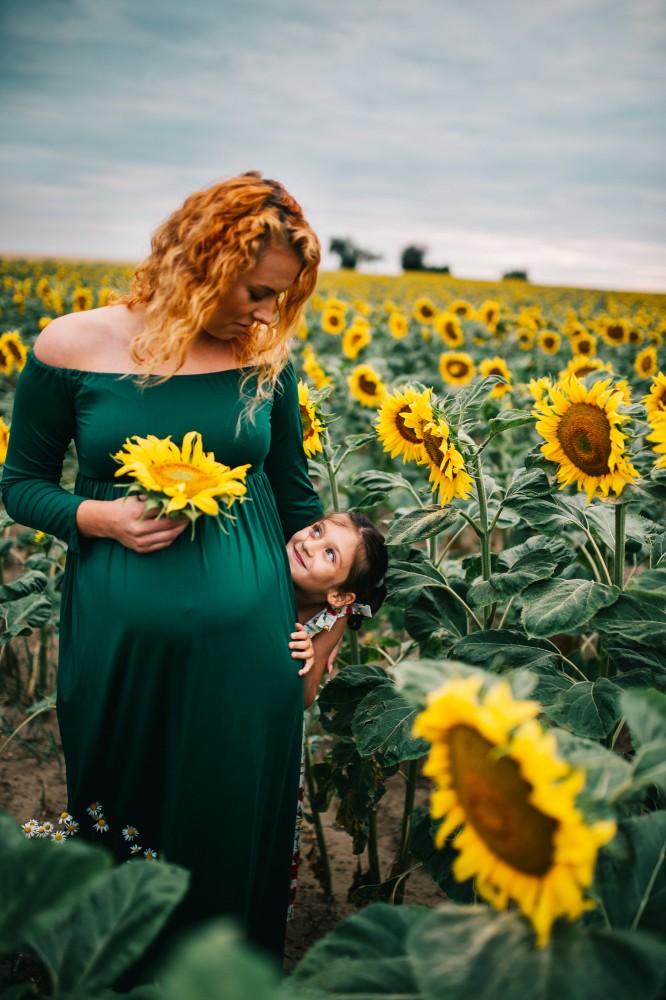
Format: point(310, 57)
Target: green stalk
point(335, 498)
point(373, 849)
point(404, 850)
point(484, 534)
point(327, 883)
point(620, 534)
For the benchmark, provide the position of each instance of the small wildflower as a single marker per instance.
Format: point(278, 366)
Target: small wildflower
point(48, 827)
point(102, 825)
point(135, 849)
point(59, 836)
point(94, 809)
point(130, 833)
point(29, 827)
point(71, 826)
point(64, 818)
point(40, 831)
point(150, 854)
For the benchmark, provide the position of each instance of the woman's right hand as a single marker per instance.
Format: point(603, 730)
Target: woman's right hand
point(126, 521)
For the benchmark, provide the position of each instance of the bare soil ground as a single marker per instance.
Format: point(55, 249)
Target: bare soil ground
point(32, 784)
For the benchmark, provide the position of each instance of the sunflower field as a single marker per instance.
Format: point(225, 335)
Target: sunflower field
point(510, 441)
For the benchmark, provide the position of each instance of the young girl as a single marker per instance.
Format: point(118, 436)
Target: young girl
point(337, 567)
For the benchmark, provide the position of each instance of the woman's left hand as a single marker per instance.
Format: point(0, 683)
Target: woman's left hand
point(302, 649)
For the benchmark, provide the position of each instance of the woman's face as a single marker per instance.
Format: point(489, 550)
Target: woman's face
point(254, 297)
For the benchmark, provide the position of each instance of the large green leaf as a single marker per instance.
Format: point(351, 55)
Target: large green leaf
point(526, 484)
point(340, 698)
point(498, 649)
point(553, 606)
point(363, 957)
point(631, 874)
point(589, 709)
point(460, 952)
point(98, 936)
point(507, 419)
point(217, 963)
point(36, 876)
point(562, 551)
point(627, 655)
point(530, 567)
point(606, 773)
point(436, 609)
point(645, 712)
point(417, 525)
point(406, 580)
point(649, 585)
point(33, 582)
point(633, 619)
point(359, 782)
point(382, 724)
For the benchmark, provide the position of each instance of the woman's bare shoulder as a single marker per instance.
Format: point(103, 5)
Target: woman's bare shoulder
point(84, 340)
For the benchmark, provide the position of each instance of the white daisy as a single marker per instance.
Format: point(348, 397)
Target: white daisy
point(71, 826)
point(48, 827)
point(130, 833)
point(40, 831)
point(59, 836)
point(94, 809)
point(64, 818)
point(150, 854)
point(135, 849)
point(102, 825)
point(29, 827)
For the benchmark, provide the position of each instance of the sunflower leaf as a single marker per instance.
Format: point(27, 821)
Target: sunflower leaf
point(639, 621)
point(589, 709)
point(419, 524)
point(650, 585)
point(527, 484)
point(632, 873)
point(507, 419)
point(382, 724)
point(501, 648)
point(552, 606)
point(527, 569)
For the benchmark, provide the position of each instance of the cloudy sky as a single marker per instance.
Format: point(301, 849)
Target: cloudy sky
point(500, 135)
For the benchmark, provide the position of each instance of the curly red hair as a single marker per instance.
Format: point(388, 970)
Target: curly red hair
point(199, 253)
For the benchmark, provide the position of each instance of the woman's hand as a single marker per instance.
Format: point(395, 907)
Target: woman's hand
point(126, 521)
point(302, 649)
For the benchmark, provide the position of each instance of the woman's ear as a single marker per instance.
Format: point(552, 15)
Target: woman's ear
point(340, 598)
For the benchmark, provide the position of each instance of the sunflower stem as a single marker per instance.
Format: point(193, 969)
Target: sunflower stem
point(601, 561)
point(373, 848)
point(327, 884)
point(353, 646)
point(404, 850)
point(335, 498)
point(465, 605)
point(620, 534)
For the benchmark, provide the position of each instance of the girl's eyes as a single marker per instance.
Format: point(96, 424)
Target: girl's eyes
point(331, 554)
point(316, 530)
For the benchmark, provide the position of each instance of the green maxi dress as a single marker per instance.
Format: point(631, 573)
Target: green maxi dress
point(180, 706)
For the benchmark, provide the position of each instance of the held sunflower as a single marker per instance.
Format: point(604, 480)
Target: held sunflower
point(396, 437)
point(184, 480)
point(582, 431)
point(502, 785)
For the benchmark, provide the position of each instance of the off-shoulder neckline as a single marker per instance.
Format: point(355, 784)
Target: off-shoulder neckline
point(130, 376)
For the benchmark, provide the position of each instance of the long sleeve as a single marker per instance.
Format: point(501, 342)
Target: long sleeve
point(286, 463)
point(42, 427)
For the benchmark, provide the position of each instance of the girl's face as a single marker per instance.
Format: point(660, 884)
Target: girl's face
point(320, 558)
point(254, 297)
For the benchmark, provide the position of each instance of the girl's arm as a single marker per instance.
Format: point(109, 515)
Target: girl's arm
point(324, 643)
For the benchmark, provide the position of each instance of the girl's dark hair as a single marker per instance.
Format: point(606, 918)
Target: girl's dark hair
point(366, 576)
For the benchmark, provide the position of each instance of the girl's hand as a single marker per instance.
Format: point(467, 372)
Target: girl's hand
point(126, 521)
point(302, 649)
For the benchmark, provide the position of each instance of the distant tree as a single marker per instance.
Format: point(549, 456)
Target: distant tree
point(413, 259)
point(516, 275)
point(350, 255)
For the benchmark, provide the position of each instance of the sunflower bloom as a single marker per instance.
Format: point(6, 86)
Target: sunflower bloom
point(312, 425)
point(396, 437)
point(447, 325)
point(502, 785)
point(456, 368)
point(645, 362)
point(580, 366)
point(354, 339)
point(424, 310)
point(186, 479)
point(525, 338)
point(496, 366)
point(333, 320)
point(82, 299)
point(4, 440)
point(582, 431)
point(398, 325)
point(462, 308)
point(549, 341)
point(365, 385)
point(14, 348)
point(658, 437)
point(584, 344)
point(614, 331)
point(655, 401)
point(446, 464)
point(489, 313)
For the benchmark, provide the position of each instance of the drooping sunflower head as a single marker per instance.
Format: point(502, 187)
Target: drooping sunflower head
point(501, 783)
point(366, 385)
point(456, 368)
point(582, 431)
point(496, 366)
point(310, 420)
point(447, 466)
point(645, 362)
point(447, 325)
point(396, 436)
